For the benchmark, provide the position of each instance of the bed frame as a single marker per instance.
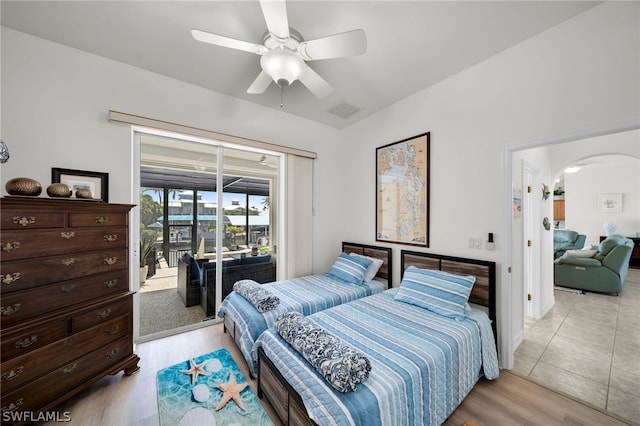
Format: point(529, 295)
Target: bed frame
point(385, 272)
point(288, 404)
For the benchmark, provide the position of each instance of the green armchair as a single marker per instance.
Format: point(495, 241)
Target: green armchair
point(603, 272)
point(564, 239)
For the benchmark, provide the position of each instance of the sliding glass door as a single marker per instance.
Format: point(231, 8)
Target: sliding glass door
point(186, 204)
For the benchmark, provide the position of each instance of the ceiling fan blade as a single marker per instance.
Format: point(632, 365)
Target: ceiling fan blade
point(231, 43)
point(351, 43)
point(275, 15)
point(260, 84)
point(316, 84)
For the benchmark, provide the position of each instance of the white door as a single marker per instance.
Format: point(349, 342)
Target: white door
point(532, 223)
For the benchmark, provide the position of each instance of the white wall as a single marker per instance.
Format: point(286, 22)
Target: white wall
point(583, 188)
point(55, 104)
point(580, 75)
point(528, 93)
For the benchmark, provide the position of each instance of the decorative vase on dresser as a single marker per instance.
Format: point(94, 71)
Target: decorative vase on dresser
point(67, 313)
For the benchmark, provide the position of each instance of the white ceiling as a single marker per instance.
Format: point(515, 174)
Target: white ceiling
point(411, 45)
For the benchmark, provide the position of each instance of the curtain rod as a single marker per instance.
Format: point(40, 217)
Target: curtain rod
point(137, 120)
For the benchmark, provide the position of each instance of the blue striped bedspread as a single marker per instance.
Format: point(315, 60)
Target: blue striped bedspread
point(422, 364)
point(307, 295)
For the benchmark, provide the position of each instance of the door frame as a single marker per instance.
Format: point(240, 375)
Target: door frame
point(508, 338)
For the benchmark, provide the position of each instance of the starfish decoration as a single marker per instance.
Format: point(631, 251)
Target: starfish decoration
point(231, 390)
point(195, 370)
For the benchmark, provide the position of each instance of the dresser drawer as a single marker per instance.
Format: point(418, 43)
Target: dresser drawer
point(19, 371)
point(26, 304)
point(26, 219)
point(99, 315)
point(33, 338)
point(18, 275)
point(22, 244)
point(80, 220)
point(42, 391)
point(65, 306)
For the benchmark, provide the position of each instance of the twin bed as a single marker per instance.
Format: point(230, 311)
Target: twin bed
point(421, 362)
point(307, 295)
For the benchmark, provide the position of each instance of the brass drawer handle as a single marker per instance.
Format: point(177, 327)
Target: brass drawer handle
point(69, 368)
point(113, 353)
point(10, 278)
point(111, 260)
point(14, 405)
point(67, 288)
point(68, 261)
point(110, 238)
point(71, 341)
point(27, 341)
point(12, 374)
point(110, 283)
point(24, 220)
point(113, 330)
point(102, 219)
point(10, 309)
point(105, 313)
point(68, 234)
point(11, 246)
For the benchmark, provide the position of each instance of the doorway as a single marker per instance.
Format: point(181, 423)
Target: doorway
point(568, 315)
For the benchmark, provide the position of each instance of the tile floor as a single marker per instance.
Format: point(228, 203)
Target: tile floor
point(588, 346)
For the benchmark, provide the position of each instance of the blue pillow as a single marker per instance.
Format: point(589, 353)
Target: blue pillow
point(194, 268)
point(440, 292)
point(350, 268)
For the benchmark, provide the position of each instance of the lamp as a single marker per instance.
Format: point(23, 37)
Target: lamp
point(283, 66)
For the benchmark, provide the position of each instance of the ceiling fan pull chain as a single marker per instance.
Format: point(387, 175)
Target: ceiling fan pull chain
point(281, 97)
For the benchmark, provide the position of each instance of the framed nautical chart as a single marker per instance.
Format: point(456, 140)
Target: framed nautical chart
point(402, 191)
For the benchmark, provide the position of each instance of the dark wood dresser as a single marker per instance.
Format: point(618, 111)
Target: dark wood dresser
point(67, 312)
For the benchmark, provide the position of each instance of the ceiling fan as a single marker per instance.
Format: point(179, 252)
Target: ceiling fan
point(284, 52)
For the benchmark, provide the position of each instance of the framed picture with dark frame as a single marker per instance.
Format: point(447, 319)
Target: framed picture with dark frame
point(96, 182)
point(402, 191)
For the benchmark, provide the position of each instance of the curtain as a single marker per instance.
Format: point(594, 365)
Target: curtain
point(299, 216)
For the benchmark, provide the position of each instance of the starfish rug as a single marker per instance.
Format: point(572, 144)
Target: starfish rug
point(208, 390)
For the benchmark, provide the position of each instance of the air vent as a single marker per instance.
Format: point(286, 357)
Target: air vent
point(344, 110)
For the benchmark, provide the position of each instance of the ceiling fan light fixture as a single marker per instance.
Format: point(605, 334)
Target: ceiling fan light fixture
point(573, 168)
point(283, 66)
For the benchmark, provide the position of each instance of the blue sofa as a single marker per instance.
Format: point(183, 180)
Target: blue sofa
point(197, 280)
point(564, 239)
point(602, 270)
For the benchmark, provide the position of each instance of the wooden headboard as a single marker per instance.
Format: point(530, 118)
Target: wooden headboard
point(377, 252)
point(484, 289)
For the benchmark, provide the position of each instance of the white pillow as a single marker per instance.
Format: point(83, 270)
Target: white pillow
point(580, 253)
point(373, 269)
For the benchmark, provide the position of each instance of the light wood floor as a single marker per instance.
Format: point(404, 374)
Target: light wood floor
point(128, 401)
